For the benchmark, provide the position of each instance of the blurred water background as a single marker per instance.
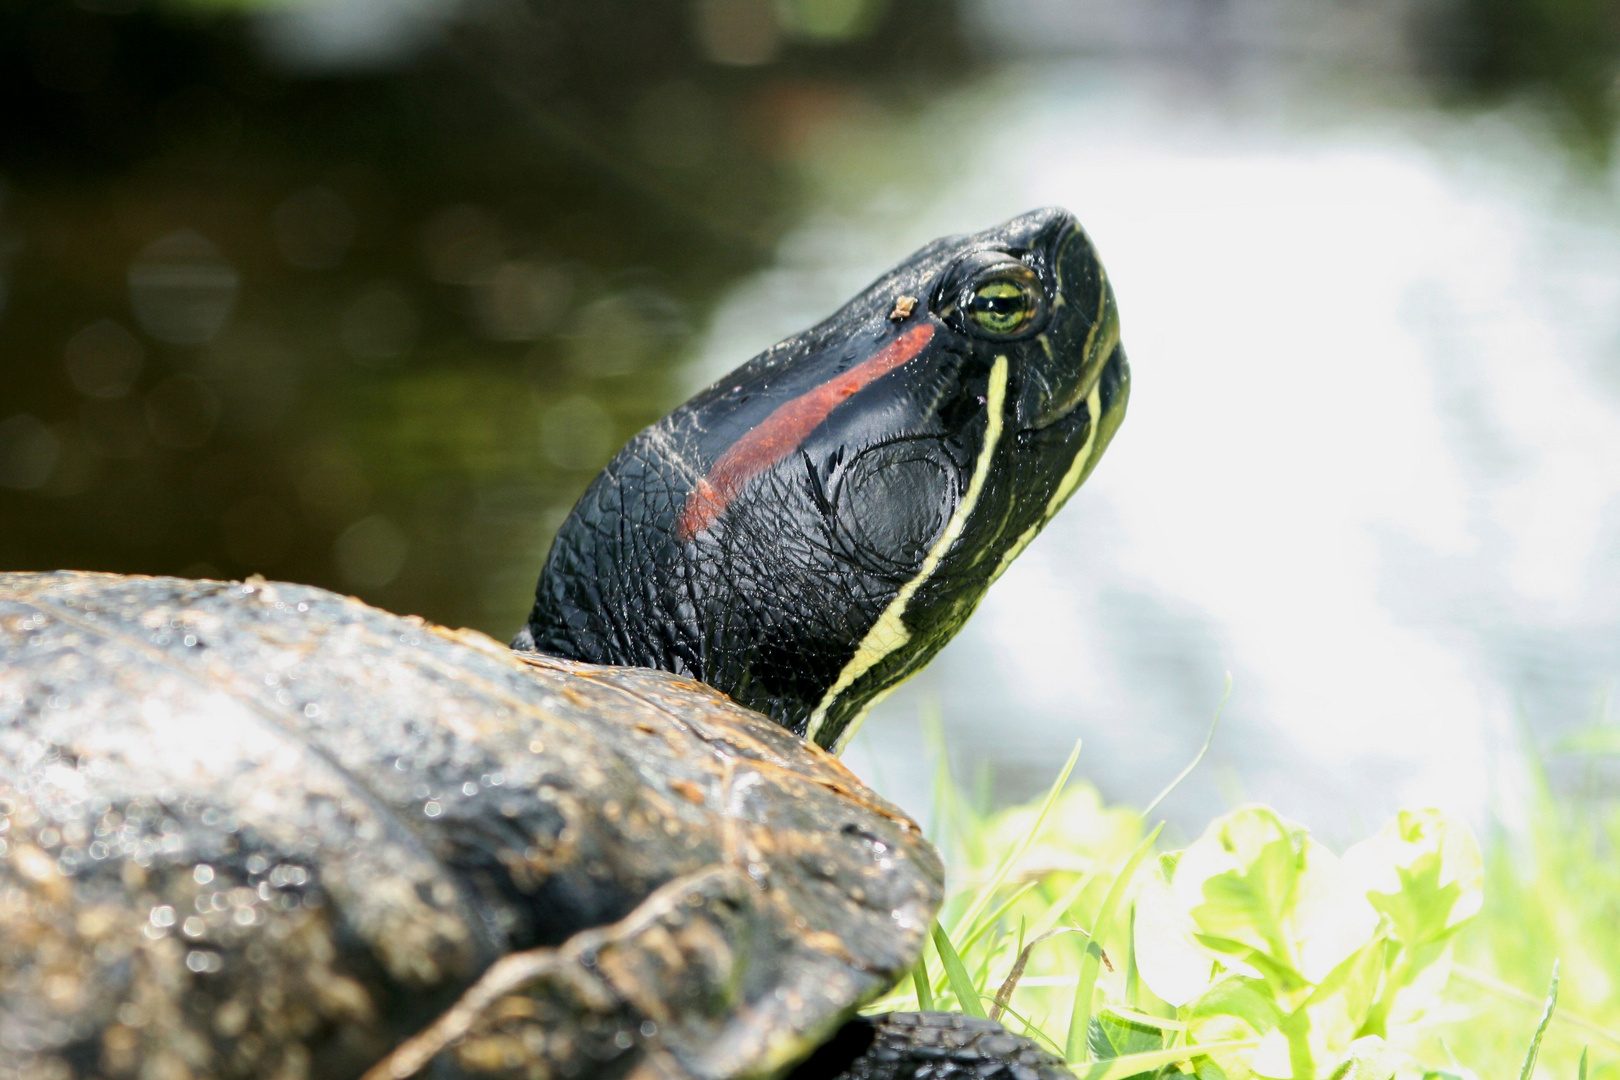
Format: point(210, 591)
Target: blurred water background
point(362, 292)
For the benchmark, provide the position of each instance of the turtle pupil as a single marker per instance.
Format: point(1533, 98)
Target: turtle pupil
point(1002, 307)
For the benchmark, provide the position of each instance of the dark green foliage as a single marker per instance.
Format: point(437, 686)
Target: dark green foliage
point(515, 233)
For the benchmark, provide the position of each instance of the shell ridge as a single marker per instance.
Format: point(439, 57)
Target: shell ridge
point(727, 746)
point(761, 755)
point(514, 973)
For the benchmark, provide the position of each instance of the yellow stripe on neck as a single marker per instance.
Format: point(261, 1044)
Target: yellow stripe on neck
point(1102, 354)
point(889, 632)
point(1066, 486)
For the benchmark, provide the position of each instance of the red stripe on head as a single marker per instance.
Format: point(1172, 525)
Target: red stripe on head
point(780, 433)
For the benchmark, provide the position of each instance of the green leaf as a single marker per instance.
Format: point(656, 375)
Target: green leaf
point(1234, 1008)
point(1420, 907)
point(967, 995)
point(1321, 1030)
point(1033, 1031)
point(1142, 1019)
point(1424, 872)
point(1246, 868)
point(1113, 1034)
point(1272, 902)
point(1129, 1065)
point(1171, 961)
point(1080, 1020)
point(1249, 1002)
point(952, 822)
point(1580, 1073)
point(1370, 1058)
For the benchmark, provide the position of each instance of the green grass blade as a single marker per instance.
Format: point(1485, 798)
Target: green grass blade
point(990, 920)
point(967, 995)
point(985, 924)
point(1153, 1060)
point(1136, 1016)
point(1133, 978)
point(1049, 918)
point(1529, 1068)
point(1080, 1021)
point(983, 779)
point(1005, 992)
point(1580, 1072)
point(981, 978)
point(1492, 985)
point(1033, 1030)
point(1198, 757)
point(988, 890)
point(925, 992)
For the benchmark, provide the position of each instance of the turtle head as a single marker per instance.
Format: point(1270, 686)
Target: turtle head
point(1033, 291)
point(808, 532)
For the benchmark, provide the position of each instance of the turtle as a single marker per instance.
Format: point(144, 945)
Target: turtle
point(262, 830)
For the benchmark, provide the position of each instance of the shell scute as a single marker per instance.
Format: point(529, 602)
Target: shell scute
point(255, 829)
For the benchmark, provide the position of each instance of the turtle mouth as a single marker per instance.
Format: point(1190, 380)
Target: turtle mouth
point(1062, 408)
point(1060, 438)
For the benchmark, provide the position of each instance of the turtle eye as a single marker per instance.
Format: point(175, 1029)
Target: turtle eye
point(1006, 305)
point(993, 295)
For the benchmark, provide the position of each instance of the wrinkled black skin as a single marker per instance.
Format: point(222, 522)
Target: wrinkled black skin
point(772, 600)
point(929, 1046)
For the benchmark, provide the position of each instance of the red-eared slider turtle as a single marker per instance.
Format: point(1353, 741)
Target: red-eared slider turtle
point(262, 831)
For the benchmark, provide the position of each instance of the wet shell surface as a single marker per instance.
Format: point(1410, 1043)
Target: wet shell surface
point(264, 831)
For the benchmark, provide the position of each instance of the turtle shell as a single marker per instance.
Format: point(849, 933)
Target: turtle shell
point(263, 830)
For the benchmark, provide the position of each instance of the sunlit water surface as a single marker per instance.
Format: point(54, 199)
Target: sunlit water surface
point(1372, 461)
